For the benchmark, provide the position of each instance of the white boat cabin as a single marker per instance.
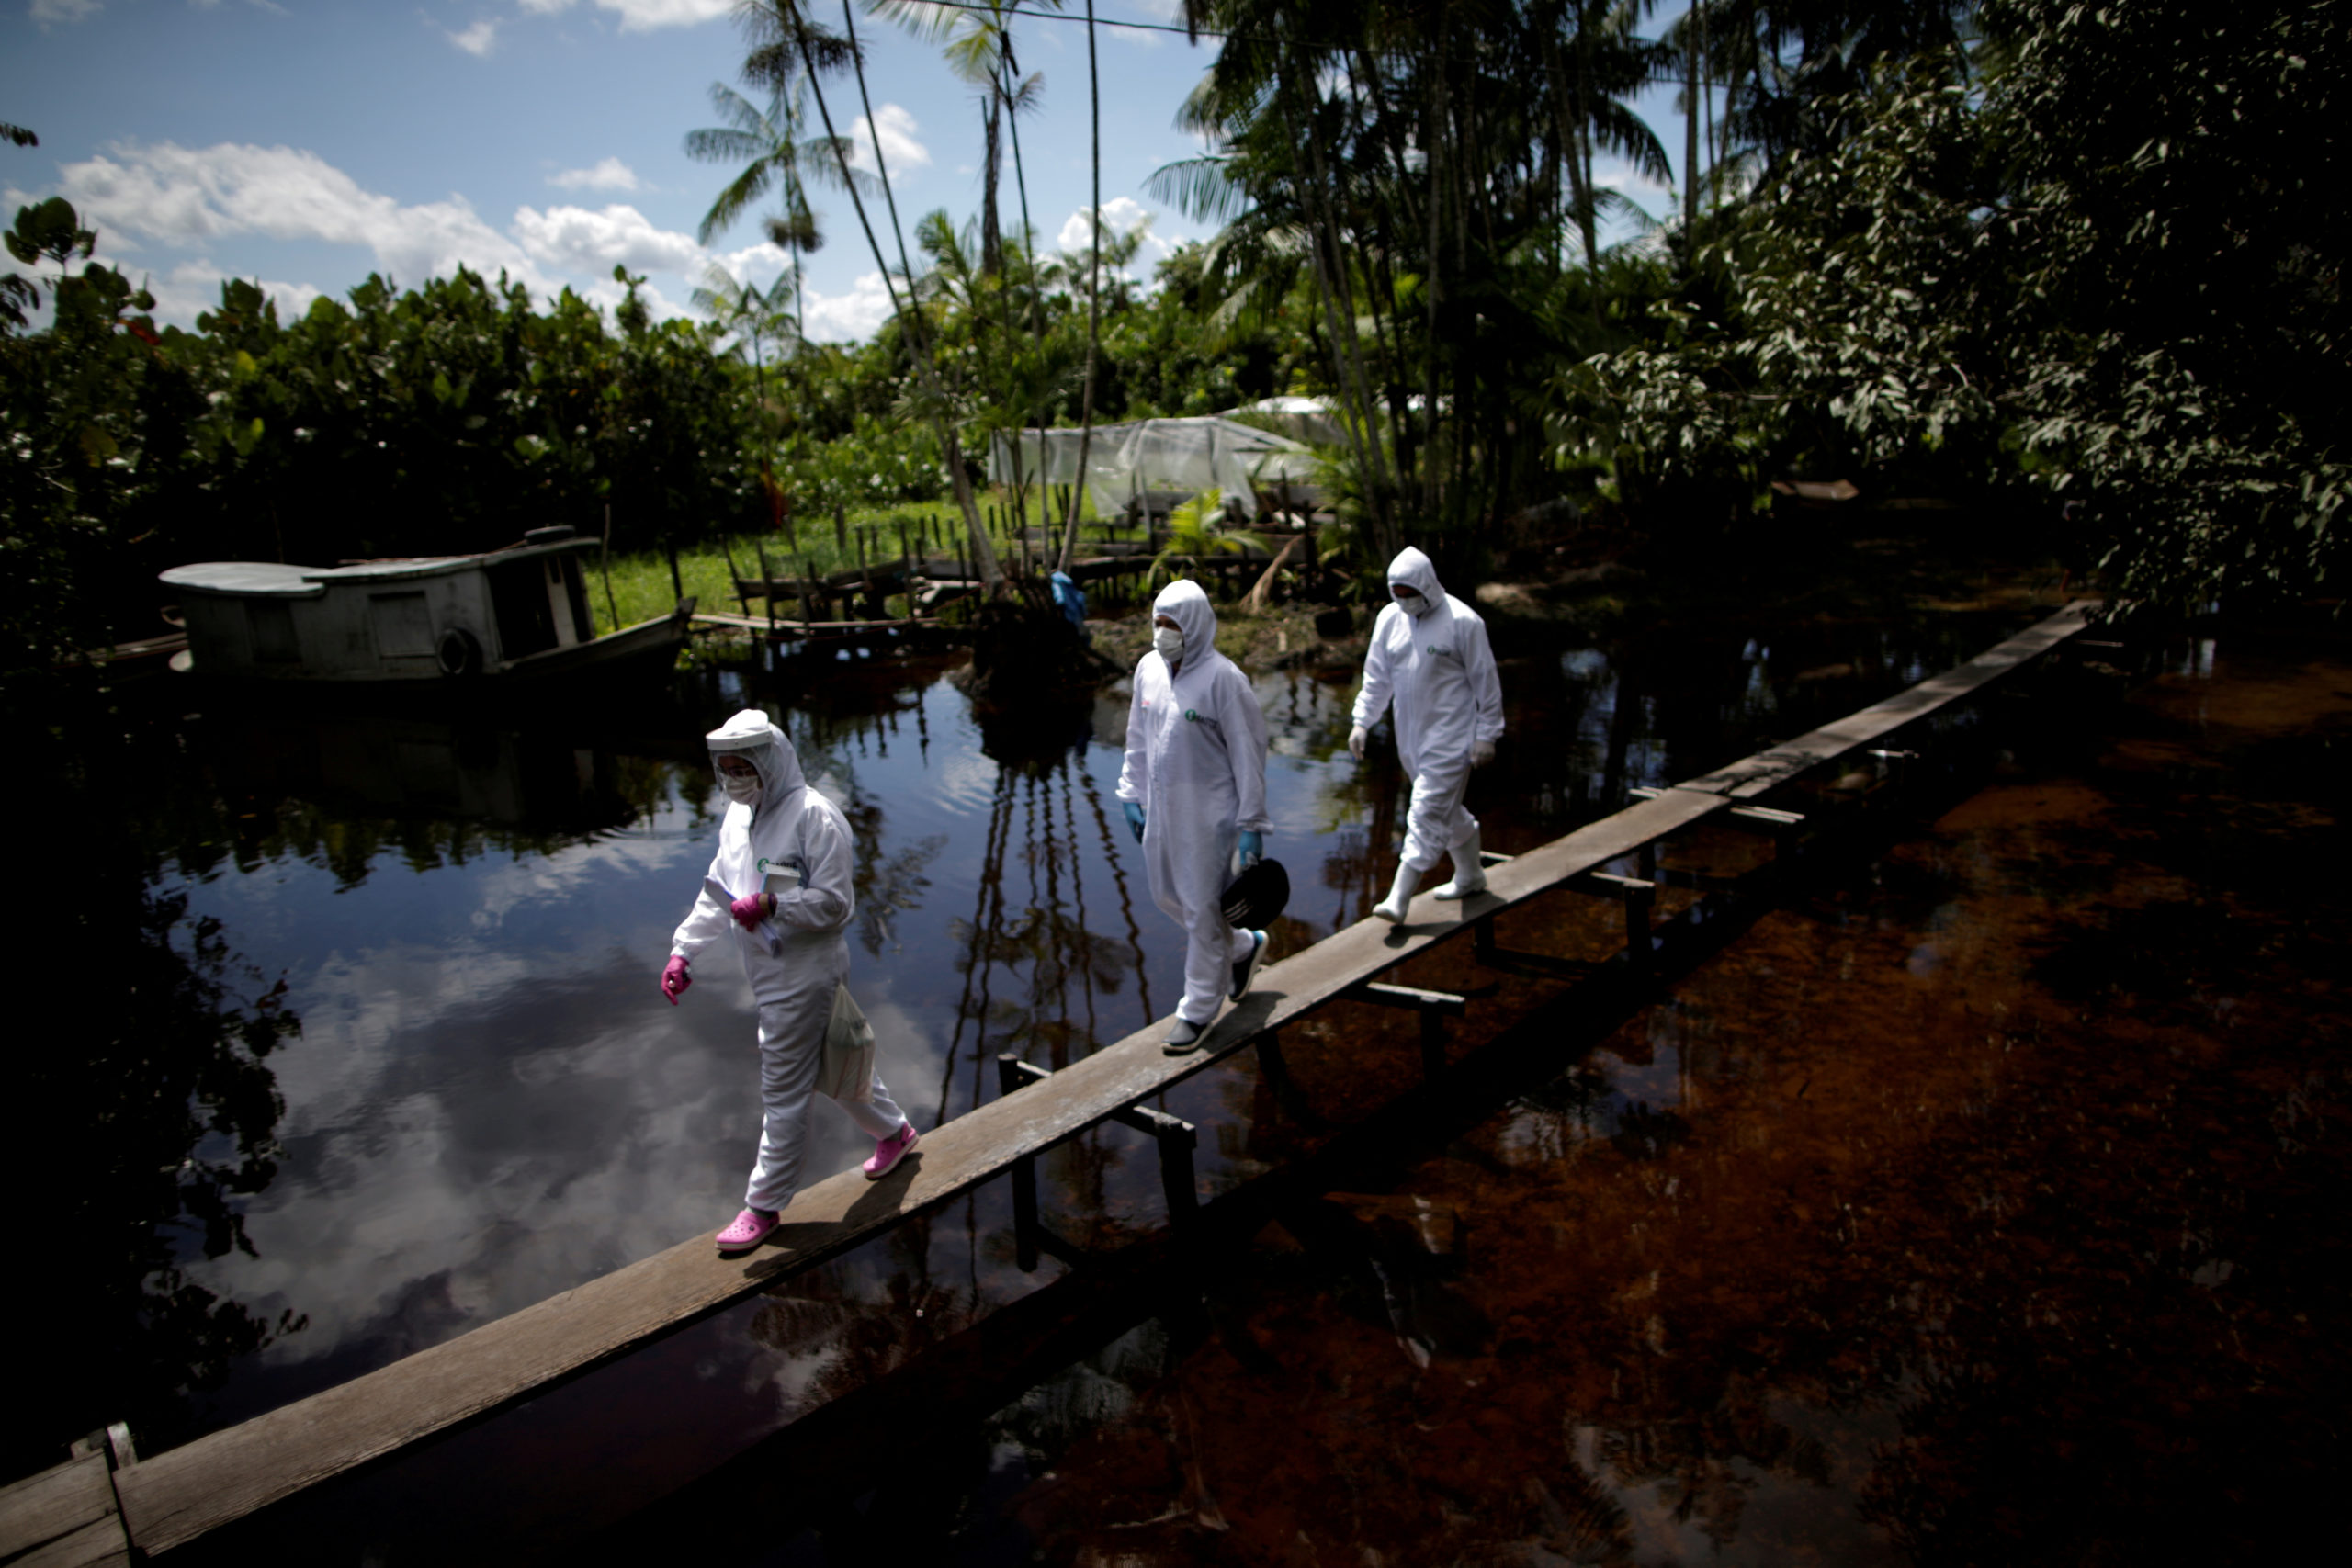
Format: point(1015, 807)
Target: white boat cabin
point(426, 619)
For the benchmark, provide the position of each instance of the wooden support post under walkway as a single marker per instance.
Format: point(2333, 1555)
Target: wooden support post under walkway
point(174, 1497)
point(1176, 1139)
point(1434, 1008)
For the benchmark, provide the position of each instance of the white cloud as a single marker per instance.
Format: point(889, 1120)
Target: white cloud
point(644, 16)
point(898, 130)
point(1167, 12)
point(144, 199)
point(185, 197)
point(477, 40)
point(763, 261)
point(190, 198)
point(1120, 215)
point(609, 174)
point(577, 240)
point(193, 288)
point(1614, 175)
point(608, 293)
point(48, 13)
point(842, 318)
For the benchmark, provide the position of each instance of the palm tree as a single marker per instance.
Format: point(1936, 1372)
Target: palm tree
point(979, 48)
point(776, 156)
point(788, 46)
point(755, 318)
point(978, 39)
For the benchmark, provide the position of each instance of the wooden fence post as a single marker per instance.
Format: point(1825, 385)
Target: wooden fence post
point(767, 583)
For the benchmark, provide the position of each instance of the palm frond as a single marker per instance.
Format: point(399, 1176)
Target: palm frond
point(1201, 188)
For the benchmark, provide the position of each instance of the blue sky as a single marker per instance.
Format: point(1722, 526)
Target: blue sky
point(308, 142)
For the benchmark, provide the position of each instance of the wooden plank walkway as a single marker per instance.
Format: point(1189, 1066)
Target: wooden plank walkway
point(801, 629)
point(179, 1495)
point(63, 1517)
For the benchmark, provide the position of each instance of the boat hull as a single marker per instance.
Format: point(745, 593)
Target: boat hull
point(644, 651)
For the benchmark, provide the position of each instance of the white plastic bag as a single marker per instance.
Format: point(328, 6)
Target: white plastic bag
point(847, 1072)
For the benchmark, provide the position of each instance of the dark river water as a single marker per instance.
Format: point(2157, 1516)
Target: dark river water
point(1974, 1204)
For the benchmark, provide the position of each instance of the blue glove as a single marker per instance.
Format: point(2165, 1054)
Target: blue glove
point(1253, 847)
point(1134, 819)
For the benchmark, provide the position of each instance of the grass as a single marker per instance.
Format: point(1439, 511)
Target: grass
point(640, 588)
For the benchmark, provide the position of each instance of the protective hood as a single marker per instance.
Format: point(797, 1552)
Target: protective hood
point(1415, 570)
point(749, 735)
point(1188, 607)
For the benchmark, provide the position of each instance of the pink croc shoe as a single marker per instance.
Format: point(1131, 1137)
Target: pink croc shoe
point(750, 1229)
point(889, 1151)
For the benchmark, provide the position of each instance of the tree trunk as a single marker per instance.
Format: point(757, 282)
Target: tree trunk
point(909, 321)
point(1020, 184)
point(1093, 299)
point(1691, 137)
point(1589, 211)
point(991, 238)
point(1331, 278)
point(1707, 100)
point(1572, 152)
point(1435, 143)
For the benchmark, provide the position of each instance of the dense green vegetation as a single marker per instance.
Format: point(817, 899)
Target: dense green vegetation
point(2016, 254)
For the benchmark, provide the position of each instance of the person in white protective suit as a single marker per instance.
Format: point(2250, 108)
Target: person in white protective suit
point(1194, 789)
point(1429, 661)
point(780, 886)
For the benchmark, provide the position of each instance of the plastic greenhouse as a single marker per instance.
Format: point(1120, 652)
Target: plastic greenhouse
point(1124, 463)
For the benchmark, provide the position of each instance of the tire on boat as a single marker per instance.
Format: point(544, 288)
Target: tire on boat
point(458, 652)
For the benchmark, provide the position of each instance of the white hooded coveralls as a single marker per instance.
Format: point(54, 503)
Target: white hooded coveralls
point(794, 843)
point(1196, 764)
point(1438, 674)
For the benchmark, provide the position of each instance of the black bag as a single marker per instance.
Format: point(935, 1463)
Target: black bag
point(1257, 896)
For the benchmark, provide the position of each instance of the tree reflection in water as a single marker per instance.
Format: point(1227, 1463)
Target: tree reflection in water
point(154, 1105)
point(163, 1098)
point(1033, 968)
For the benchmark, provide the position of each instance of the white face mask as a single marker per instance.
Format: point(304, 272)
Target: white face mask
point(1414, 605)
point(743, 791)
point(1169, 642)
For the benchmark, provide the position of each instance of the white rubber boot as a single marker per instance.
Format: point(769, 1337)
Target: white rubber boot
point(1400, 895)
point(1469, 871)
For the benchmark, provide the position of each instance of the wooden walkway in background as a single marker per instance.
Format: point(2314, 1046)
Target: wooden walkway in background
point(69, 1517)
point(174, 1497)
point(784, 626)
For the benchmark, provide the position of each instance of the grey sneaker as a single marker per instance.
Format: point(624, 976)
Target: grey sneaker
point(1246, 972)
point(1183, 1036)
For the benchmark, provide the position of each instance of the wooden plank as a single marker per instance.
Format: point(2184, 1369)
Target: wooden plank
point(184, 1492)
point(754, 623)
point(62, 1517)
point(99, 1544)
point(1412, 996)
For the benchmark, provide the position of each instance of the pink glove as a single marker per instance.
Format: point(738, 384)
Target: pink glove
point(675, 979)
point(749, 911)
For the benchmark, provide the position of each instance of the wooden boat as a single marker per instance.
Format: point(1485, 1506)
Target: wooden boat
point(511, 615)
